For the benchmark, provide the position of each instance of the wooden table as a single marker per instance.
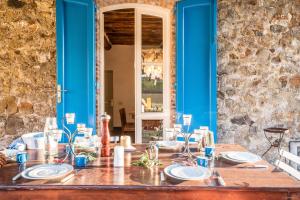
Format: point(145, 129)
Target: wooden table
point(100, 180)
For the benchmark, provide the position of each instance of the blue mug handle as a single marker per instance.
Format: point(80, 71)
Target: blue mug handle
point(18, 158)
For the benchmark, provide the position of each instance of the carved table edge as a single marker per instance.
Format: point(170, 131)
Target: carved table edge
point(149, 188)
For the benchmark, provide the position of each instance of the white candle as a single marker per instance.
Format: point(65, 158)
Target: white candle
point(187, 120)
point(170, 133)
point(119, 156)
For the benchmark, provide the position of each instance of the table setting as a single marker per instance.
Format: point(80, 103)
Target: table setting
point(81, 147)
point(61, 164)
point(45, 172)
point(196, 155)
point(184, 157)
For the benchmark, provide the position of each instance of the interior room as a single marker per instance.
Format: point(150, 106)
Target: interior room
point(119, 62)
point(120, 52)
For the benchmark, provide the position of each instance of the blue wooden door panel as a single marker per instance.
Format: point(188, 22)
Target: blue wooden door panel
point(76, 60)
point(196, 62)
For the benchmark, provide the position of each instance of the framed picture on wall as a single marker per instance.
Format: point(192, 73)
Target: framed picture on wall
point(294, 148)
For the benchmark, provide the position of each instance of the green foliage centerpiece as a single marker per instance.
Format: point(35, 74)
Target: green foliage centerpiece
point(148, 159)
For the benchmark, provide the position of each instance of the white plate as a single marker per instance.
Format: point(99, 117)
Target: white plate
point(169, 168)
point(241, 157)
point(189, 172)
point(47, 171)
point(231, 160)
point(168, 144)
point(185, 173)
point(129, 149)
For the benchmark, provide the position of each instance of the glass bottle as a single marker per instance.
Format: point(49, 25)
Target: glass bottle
point(50, 139)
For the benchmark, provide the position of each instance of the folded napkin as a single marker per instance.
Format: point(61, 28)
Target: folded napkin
point(17, 144)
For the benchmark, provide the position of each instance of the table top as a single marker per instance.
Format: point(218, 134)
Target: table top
point(275, 130)
point(101, 174)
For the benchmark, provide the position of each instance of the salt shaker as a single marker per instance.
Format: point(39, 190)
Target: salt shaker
point(119, 156)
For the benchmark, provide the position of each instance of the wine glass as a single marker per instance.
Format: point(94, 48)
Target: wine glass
point(70, 118)
point(51, 123)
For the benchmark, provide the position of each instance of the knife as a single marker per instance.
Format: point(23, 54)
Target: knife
point(253, 166)
point(162, 177)
point(220, 179)
point(16, 177)
point(67, 178)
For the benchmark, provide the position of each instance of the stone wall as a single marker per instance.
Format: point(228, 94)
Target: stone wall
point(258, 66)
point(258, 70)
point(27, 66)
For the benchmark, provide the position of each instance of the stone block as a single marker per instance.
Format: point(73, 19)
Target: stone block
point(277, 28)
point(25, 108)
point(42, 109)
point(242, 120)
point(276, 60)
point(2, 126)
point(3, 105)
point(13, 125)
point(283, 81)
point(12, 107)
point(16, 3)
point(221, 95)
point(262, 55)
point(295, 81)
point(43, 6)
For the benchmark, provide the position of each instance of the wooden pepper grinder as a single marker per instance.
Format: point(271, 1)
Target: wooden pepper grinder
point(105, 135)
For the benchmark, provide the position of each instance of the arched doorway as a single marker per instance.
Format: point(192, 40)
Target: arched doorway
point(151, 77)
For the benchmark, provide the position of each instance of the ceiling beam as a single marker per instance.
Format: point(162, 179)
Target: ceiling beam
point(107, 42)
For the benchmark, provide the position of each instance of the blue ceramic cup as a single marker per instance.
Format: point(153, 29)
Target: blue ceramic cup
point(21, 157)
point(80, 161)
point(202, 161)
point(209, 151)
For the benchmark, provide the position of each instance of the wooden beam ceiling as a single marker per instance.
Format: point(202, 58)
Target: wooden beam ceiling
point(119, 28)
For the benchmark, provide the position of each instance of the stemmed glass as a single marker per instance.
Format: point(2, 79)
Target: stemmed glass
point(184, 131)
point(178, 117)
point(51, 123)
point(53, 134)
point(70, 119)
point(80, 128)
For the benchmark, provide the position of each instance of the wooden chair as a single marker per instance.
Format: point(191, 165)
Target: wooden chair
point(126, 127)
point(285, 166)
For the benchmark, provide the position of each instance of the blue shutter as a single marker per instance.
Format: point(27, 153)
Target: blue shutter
point(75, 32)
point(196, 62)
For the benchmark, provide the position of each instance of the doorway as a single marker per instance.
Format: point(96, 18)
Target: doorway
point(109, 96)
point(141, 34)
point(119, 60)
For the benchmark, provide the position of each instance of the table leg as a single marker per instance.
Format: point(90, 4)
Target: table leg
point(267, 151)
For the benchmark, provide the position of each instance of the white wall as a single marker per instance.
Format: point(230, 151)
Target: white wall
point(120, 59)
